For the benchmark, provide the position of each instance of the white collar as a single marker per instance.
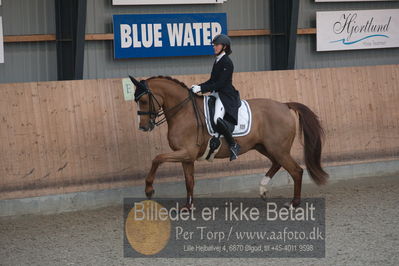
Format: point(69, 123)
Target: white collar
point(220, 56)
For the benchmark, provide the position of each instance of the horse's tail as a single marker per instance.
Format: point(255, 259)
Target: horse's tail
point(313, 133)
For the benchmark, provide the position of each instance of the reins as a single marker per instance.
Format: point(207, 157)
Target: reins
point(200, 122)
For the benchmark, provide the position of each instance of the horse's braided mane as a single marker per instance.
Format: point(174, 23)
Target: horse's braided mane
point(176, 81)
point(170, 78)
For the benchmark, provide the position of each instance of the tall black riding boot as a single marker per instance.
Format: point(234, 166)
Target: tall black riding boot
point(225, 128)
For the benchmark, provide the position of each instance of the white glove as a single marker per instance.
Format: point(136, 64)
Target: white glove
point(195, 88)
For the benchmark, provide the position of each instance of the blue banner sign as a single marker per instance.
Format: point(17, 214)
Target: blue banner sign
point(156, 35)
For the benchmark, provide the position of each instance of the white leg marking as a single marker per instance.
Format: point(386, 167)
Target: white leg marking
point(263, 186)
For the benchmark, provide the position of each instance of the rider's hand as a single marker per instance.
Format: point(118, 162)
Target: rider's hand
point(196, 88)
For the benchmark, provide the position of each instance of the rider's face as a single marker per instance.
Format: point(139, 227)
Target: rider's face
point(217, 48)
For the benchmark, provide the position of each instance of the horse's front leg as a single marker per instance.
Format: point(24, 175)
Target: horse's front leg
point(176, 156)
point(188, 168)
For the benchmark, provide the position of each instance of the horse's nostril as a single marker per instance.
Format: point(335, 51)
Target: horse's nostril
point(143, 128)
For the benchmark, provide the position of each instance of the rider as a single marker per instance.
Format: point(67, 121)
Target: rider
point(227, 97)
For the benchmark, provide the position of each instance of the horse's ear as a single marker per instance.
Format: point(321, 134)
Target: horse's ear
point(135, 82)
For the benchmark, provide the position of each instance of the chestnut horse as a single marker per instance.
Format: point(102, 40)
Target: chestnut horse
point(272, 133)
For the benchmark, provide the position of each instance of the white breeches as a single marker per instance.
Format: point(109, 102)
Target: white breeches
point(219, 108)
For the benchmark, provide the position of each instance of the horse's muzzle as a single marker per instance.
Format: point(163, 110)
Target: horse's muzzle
point(148, 128)
point(145, 129)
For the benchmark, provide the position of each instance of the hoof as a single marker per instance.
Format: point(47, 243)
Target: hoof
point(264, 193)
point(186, 208)
point(292, 205)
point(289, 206)
point(150, 194)
point(264, 196)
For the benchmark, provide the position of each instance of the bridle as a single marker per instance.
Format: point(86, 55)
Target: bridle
point(152, 113)
point(142, 89)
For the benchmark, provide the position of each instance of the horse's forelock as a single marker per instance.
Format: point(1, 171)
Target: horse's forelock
point(140, 90)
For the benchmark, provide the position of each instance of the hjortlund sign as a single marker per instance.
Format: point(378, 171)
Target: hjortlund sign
point(357, 29)
point(157, 35)
point(166, 2)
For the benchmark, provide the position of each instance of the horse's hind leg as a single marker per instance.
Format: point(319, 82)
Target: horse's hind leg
point(296, 172)
point(263, 188)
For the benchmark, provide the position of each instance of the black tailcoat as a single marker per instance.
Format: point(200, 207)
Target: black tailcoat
point(221, 81)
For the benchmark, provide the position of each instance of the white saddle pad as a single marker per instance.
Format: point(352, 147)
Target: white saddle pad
point(244, 119)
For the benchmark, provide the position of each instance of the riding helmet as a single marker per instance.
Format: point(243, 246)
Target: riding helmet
point(222, 39)
point(225, 41)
